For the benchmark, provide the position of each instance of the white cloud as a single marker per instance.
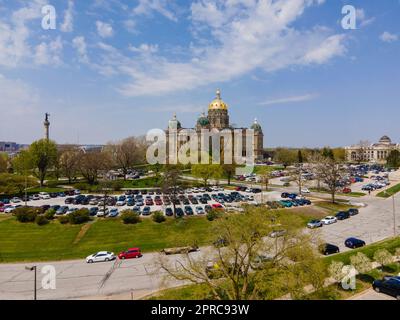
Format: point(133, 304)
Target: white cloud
point(68, 24)
point(49, 53)
point(105, 30)
point(362, 18)
point(144, 48)
point(388, 37)
point(79, 43)
point(238, 43)
point(146, 7)
point(292, 99)
point(130, 25)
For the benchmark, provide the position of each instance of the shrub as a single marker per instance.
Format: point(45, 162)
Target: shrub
point(117, 185)
point(213, 214)
point(361, 262)
point(397, 253)
point(80, 216)
point(49, 214)
point(81, 186)
point(25, 214)
point(158, 217)
point(63, 219)
point(383, 257)
point(336, 270)
point(41, 220)
point(130, 217)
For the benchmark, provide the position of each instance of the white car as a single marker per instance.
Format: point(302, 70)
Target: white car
point(44, 195)
point(71, 210)
point(305, 190)
point(199, 210)
point(102, 213)
point(35, 197)
point(16, 200)
point(120, 203)
point(102, 256)
point(329, 220)
point(9, 209)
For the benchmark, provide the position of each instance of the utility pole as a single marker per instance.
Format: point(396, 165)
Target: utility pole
point(33, 268)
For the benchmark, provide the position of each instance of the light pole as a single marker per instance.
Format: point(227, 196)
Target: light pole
point(33, 268)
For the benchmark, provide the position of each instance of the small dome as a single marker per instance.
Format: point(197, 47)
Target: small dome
point(203, 120)
point(256, 126)
point(218, 103)
point(385, 139)
point(174, 123)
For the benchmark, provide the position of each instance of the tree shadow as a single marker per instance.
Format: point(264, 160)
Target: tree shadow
point(388, 269)
point(366, 278)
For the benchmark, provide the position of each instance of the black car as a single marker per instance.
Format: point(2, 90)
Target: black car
point(93, 211)
point(327, 249)
point(68, 200)
point(342, 215)
point(188, 210)
point(353, 212)
point(285, 195)
point(354, 243)
point(169, 212)
point(388, 285)
point(179, 212)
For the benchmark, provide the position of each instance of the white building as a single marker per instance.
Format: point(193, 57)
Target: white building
point(374, 153)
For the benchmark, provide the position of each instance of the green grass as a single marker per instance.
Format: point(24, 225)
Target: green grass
point(351, 194)
point(332, 207)
point(389, 192)
point(45, 189)
point(369, 250)
point(30, 242)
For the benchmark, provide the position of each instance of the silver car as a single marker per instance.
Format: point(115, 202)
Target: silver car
point(102, 256)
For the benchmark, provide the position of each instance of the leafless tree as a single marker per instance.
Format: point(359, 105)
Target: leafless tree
point(92, 163)
point(331, 173)
point(69, 162)
point(171, 183)
point(128, 152)
point(361, 151)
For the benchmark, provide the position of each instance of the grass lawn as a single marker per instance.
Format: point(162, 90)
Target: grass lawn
point(45, 189)
point(30, 242)
point(151, 182)
point(332, 207)
point(389, 192)
point(351, 194)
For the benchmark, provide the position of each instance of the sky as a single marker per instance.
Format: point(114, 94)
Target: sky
point(116, 68)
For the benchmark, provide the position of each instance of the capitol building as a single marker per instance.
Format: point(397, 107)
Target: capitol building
point(374, 153)
point(217, 121)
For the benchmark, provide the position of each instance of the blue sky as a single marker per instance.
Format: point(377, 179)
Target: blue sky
point(116, 68)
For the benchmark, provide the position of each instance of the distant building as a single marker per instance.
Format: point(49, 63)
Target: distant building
point(374, 153)
point(8, 147)
point(217, 120)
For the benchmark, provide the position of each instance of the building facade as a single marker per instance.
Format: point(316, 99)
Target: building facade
point(374, 153)
point(217, 122)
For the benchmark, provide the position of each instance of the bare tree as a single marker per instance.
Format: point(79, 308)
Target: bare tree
point(361, 151)
point(331, 173)
point(296, 175)
point(92, 163)
point(251, 266)
point(69, 162)
point(171, 183)
point(316, 159)
point(128, 152)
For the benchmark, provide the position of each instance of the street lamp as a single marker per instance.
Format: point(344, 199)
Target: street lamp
point(33, 268)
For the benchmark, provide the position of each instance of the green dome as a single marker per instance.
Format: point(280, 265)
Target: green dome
point(203, 120)
point(256, 126)
point(174, 123)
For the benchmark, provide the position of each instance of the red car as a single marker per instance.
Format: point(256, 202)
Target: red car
point(158, 202)
point(130, 254)
point(346, 190)
point(1, 204)
point(217, 206)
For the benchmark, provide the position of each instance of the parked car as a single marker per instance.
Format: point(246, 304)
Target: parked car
point(329, 220)
point(146, 211)
point(179, 212)
point(16, 200)
point(388, 285)
point(315, 224)
point(44, 195)
point(102, 213)
point(354, 243)
point(327, 249)
point(199, 210)
point(169, 212)
point(102, 256)
point(305, 190)
point(277, 233)
point(353, 211)
point(130, 254)
point(188, 210)
point(342, 215)
point(93, 211)
point(62, 210)
point(113, 213)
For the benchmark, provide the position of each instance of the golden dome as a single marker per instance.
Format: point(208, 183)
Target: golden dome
point(218, 103)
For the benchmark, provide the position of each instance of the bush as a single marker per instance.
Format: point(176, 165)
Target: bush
point(25, 214)
point(80, 216)
point(82, 186)
point(41, 220)
point(130, 217)
point(158, 217)
point(361, 262)
point(213, 214)
point(49, 214)
point(63, 219)
point(117, 185)
point(383, 257)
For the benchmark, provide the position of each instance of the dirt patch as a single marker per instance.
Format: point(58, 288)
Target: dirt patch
point(312, 211)
point(82, 232)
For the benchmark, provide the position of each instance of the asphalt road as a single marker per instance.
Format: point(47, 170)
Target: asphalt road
point(76, 279)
